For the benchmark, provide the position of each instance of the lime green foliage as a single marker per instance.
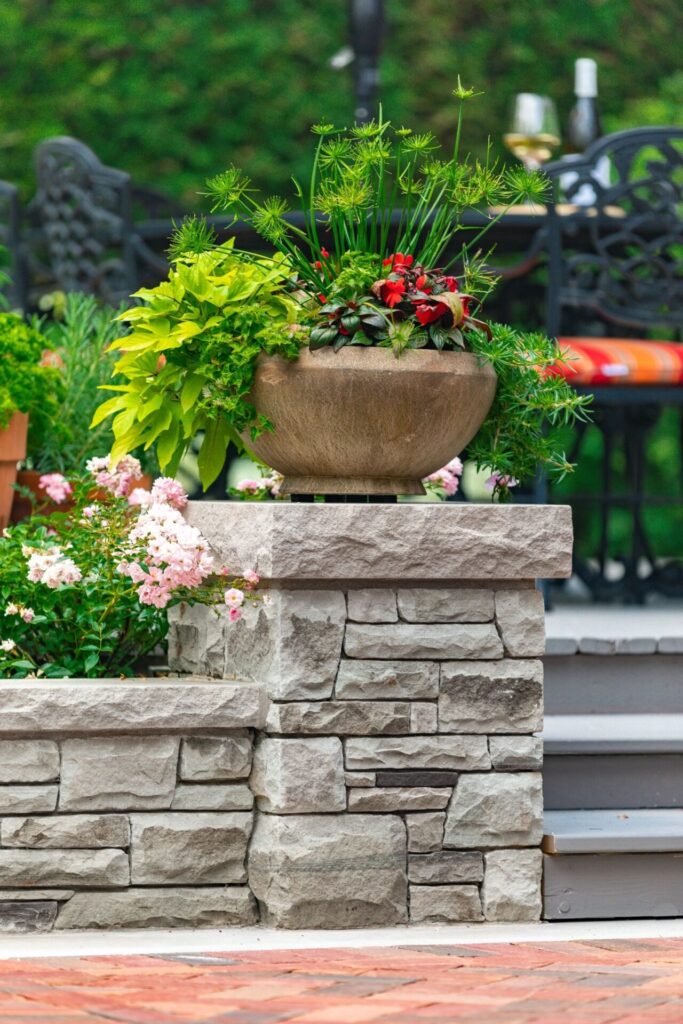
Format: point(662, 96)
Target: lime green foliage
point(523, 430)
point(25, 385)
point(78, 336)
point(170, 91)
point(190, 358)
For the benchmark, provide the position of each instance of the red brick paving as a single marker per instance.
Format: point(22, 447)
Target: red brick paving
point(602, 982)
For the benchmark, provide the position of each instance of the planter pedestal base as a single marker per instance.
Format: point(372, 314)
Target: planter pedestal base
point(350, 485)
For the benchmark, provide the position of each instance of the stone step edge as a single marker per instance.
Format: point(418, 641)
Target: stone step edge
point(612, 734)
point(650, 830)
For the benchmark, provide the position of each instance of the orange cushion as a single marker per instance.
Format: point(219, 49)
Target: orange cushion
point(622, 361)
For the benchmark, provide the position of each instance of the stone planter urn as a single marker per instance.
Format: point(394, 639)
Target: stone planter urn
point(361, 421)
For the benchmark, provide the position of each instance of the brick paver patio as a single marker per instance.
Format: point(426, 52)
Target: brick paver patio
point(599, 982)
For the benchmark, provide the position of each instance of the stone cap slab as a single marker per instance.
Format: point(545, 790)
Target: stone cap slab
point(453, 541)
point(51, 707)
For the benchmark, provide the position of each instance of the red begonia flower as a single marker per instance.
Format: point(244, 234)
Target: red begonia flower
point(398, 261)
point(421, 282)
point(451, 284)
point(428, 314)
point(392, 292)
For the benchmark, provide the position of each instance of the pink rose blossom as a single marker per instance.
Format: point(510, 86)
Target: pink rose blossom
point(12, 609)
point(90, 510)
point(169, 492)
point(250, 486)
point(500, 479)
point(7, 645)
point(235, 614)
point(234, 598)
point(120, 480)
point(28, 614)
point(252, 578)
point(139, 497)
point(56, 487)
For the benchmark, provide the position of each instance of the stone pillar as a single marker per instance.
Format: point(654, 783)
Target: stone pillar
point(397, 777)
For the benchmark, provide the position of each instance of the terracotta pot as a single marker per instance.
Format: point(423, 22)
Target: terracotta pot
point(361, 421)
point(22, 507)
point(12, 451)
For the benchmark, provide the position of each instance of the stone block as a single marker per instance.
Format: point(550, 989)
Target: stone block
point(28, 761)
point(341, 717)
point(445, 867)
point(520, 615)
point(670, 645)
point(216, 797)
point(422, 604)
point(387, 680)
point(414, 798)
point(204, 907)
point(444, 904)
point(329, 871)
point(67, 831)
point(423, 718)
point(359, 778)
point(35, 895)
point(216, 758)
point(54, 707)
point(512, 885)
point(107, 773)
point(105, 869)
point(413, 641)
point(288, 541)
point(28, 799)
point(197, 639)
point(23, 917)
point(189, 849)
point(291, 642)
point(500, 809)
point(466, 753)
point(299, 776)
point(368, 605)
point(491, 696)
point(417, 778)
point(425, 831)
point(516, 752)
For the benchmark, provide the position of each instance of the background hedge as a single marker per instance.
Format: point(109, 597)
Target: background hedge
point(173, 90)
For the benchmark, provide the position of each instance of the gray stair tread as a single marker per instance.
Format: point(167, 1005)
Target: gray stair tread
point(606, 629)
point(607, 734)
point(613, 831)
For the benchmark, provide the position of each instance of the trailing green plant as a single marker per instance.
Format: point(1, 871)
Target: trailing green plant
point(190, 357)
point(78, 333)
point(26, 384)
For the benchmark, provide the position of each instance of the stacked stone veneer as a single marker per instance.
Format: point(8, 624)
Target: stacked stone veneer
point(375, 763)
point(396, 778)
point(110, 817)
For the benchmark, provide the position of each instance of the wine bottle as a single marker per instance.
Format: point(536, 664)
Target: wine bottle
point(584, 125)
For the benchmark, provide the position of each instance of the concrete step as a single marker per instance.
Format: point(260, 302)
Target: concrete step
point(621, 684)
point(613, 831)
point(572, 735)
point(617, 885)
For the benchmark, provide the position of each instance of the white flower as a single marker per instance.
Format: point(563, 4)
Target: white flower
point(7, 645)
point(12, 609)
point(234, 598)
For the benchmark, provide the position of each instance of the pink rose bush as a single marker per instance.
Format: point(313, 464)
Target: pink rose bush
point(56, 486)
point(85, 592)
point(446, 481)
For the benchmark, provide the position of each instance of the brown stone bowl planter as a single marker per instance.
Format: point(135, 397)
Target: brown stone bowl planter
point(22, 507)
point(361, 421)
point(12, 451)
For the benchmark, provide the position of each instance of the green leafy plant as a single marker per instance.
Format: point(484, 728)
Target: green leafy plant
point(388, 204)
point(27, 385)
point(78, 333)
point(190, 357)
point(85, 592)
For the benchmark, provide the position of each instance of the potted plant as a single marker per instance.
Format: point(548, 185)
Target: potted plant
point(77, 334)
point(354, 360)
point(28, 390)
point(84, 592)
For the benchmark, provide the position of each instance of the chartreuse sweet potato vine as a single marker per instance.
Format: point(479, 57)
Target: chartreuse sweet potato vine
point(379, 212)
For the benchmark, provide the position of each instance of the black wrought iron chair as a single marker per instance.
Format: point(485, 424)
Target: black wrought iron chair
point(615, 291)
point(81, 233)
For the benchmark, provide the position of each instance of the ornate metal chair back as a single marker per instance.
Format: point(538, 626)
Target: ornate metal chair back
point(12, 277)
point(616, 231)
point(83, 222)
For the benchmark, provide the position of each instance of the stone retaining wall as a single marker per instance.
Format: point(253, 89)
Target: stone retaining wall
point(376, 764)
point(119, 809)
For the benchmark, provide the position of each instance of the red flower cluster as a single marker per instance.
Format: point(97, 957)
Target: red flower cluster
point(421, 288)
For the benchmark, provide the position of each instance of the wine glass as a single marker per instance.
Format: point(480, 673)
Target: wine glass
point(534, 129)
